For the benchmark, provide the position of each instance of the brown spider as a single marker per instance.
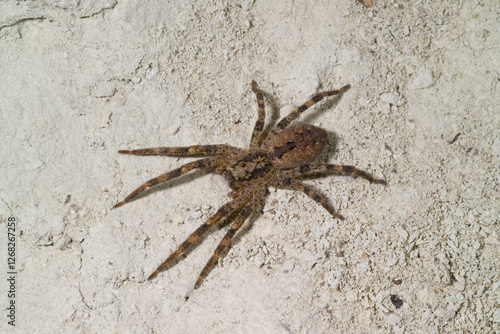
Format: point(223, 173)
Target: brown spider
point(286, 154)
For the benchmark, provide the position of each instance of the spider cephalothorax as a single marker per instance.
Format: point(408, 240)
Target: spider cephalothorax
point(279, 161)
point(251, 168)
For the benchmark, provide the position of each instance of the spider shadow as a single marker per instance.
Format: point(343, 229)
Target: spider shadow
point(331, 147)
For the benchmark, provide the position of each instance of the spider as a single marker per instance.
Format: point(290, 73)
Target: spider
point(288, 152)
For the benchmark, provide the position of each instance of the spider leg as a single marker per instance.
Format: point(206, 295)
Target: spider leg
point(349, 170)
point(259, 124)
point(223, 211)
point(188, 151)
point(198, 164)
point(313, 194)
point(284, 122)
point(235, 226)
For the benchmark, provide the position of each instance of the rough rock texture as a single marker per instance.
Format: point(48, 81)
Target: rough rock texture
point(81, 79)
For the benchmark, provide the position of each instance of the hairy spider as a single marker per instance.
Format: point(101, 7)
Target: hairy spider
point(286, 154)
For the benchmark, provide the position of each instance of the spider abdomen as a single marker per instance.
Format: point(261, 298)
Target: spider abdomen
point(253, 167)
point(296, 145)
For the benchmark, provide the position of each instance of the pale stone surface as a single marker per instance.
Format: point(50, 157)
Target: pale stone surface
point(80, 80)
